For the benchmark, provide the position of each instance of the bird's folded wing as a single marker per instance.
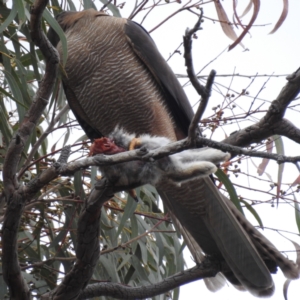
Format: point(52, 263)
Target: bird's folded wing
point(201, 209)
point(214, 283)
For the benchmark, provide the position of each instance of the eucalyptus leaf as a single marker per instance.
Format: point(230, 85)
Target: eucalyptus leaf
point(128, 212)
point(230, 189)
point(21, 11)
point(115, 11)
point(56, 27)
point(9, 19)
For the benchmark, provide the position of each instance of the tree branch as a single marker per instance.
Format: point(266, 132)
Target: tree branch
point(88, 249)
point(203, 91)
point(13, 190)
point(187, 43)
point(120, 291)
point(273, 122)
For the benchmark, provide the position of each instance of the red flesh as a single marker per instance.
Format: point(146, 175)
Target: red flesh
point(105, 146)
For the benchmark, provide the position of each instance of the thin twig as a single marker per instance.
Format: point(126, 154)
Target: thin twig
point(187, 42)
point(121, 291)
point(203, 91)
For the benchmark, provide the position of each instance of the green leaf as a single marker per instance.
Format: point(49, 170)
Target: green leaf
point(20, 76)
point(71, 5)
point(128, 212)
point(78, 185)
point(297, 213)
point(9, 19)
point(115, 10)
point(140, 271)
point(27, 59)
point(16, 92)
point(160, 246)
point(7, 94)
point(94, 170)
point(36, 280)
point(144, 251)
point(66, 137)
point(5, 126)
point(12, 34)
point(87, 4)
point(72, 226)
point(280, 150)
point(109, 265)
point(56, 27)
point(253, 212)
point(125, 257)
point(21, 11)
point(230, 189)
point(134, 230)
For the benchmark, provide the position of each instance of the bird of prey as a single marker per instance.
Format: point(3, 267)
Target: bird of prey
point(115, 75)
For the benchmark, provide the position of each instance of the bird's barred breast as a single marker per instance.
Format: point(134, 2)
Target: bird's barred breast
point(127, 85)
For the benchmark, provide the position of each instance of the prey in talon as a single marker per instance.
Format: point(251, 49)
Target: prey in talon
point(177, 168)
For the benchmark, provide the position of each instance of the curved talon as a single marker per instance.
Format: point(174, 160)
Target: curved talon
point(135, 143)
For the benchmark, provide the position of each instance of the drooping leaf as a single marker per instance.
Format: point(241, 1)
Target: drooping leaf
point(282, 16)
point(235, 14)
point(225, 22)
point(110, 267)
point(9, 19)
point(115, 10)
point(71, 5)
point(297, 213)
point(247, 9)
point(87, 4)
point(21, 11)
point(262, 166)
point(288, 281)
point(230, 189)
point(56, 27)
point(279, 150)
point(256, 6)
point(5, 127)
point(128, 212)
point(253, 212)
point(285, 288)
point(79, 191)
point(16, 92)
point(140, 271)
point(296, 181)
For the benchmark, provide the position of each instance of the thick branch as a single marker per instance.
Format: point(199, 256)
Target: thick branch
point(14, 194)
point(192, 134)
point(119, 291)
point(273, 122)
